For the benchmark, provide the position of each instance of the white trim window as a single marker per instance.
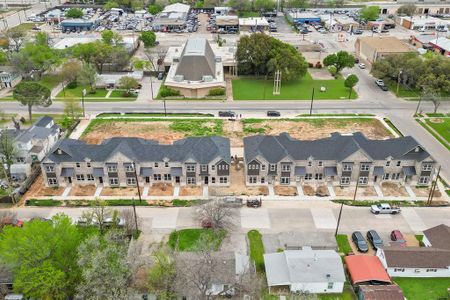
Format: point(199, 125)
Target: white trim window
point(190, 180)
point(80, 177)
point(309, 163)
point(114, 181)
point(395, 176)
point(388, 163)
point(318, 176)
point(129, 168)
point(263, 180)
point(213, 167)
point(252, 179)
point(157, 177)
point(363, 180)
point(52, 181)
point(263, 167)
point(131, 181)
point(90, 177)
point(308, 176)
point(320, 163)
point(365, 167)
point(167, 177)
point(386, 176)
point(347, 167)
point(399, 163)
point(166, 164)
point(427, 167)
point(112, 168)
point(190, 168)
point(49, 168)
point(345, 180)
point(204, 168)
point(285, 180)
point(285, 168)
point(88, 165)
point(78, 165)
point(156, 165)
point(424, 179)
point(223, 179)
point(273, 167)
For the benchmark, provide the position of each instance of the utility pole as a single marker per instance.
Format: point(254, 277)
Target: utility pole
point(339, 219)
point(83, 93)
point(356, 189)
point(165, 111)
point(433, 188)
point(418, 105)
point(398, 80)
point(134, 204)
point(312, 101)
point(137, 182)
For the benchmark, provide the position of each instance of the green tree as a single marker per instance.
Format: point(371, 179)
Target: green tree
point(17, 35)
point(260, 54)
point(141, 64)
point(370, 13)
point(155, 9)
point(264, 5)
point(407, 9)
point(148, 38)
point(3, 58)
point(163, 273)
point(69, 73)
point(240, 5)
point(111, 38)
point(42, 257)
point(296, 4)
point(42, 38)
point(35, 58)
point(110, 4)
point(74, 13)
point(127, 83)
point(333, 71)
point(340, 60)
point(32, 94)
point(350, 82)
point(88, 76)
point(72, 112)
point(105, 271)
point(8, 151)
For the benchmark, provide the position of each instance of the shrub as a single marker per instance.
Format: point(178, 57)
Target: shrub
point(168, 92)
point(256, 249)
point(216, 92)
point(318, 65)
point(310, 65)
point(72, 85)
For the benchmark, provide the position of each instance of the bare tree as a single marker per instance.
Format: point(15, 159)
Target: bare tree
point(163, 273)
point(6, 216)
point(8, 151)
point(97, 215)
point(250, 284)
point(129, 221)
point(216, 214)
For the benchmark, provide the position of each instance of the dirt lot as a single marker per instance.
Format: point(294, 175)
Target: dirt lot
point(349, 191)
point(423, 192)
point(302, 129)
point(355, 250)
point(84, 190)
point(161, 189)
point(119, 191)
point(308, 190)
point(38, 189)
point(190, 191)
point(237, 185)
point(282, 190)
point(393, 189)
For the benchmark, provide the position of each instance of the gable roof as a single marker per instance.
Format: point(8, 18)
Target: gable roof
point(200, 149)
point(300, 266)
point(337, 147)
point(39, 130)
point(365, 268)
point(439, 236)
point(382, 292)
point(197, 60)
point(416, 257)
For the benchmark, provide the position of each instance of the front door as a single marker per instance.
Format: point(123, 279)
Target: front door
point(100, 179)
point(177, 179)
point(69, 179)
point(147, 179)
point(375, 178)
point(206, 179)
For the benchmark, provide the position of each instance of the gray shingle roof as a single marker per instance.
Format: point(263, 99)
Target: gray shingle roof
point(439, 236)
point(200, 149)
point(197, 60)
point(337, 147)
point(416, 257)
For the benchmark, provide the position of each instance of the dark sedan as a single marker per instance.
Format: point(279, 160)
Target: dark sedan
point(374, 239)
point(359, 241)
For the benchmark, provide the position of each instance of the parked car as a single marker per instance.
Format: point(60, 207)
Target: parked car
point(273, 113)
point(359, 241)
point(160, 76)
point(379, 82)
point(118, 222)
point(255, 203)
point(362, 66)
point(358, 31)
point(228, 114)
point(397, 236)
point(384, 208)
point(384, 88)
point(374, 239)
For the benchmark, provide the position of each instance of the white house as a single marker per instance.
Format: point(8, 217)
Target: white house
point(306, 270)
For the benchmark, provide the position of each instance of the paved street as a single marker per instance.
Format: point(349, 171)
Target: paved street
point(281, 216)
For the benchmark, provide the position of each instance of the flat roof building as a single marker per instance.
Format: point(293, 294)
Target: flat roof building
point(299, 17)
point(371, 49)
point(251, 24)
point(417, 22)
point(173, 16)
point(441, 45)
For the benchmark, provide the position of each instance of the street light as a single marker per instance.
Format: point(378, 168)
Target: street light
point(312, 101)
point(165, 111)
point(83, 94)
point(398, 80)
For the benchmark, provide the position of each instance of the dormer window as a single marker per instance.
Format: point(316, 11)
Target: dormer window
point(78, 165)
point(59, 151)
point(50, 168)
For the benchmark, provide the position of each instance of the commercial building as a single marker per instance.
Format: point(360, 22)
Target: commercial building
point(130, 43)
point(370, 49)
point(425, 22)
point(195, 69)
point(302, 17)
point(441, 45)
point(305, 271)
point(253, 24)
point(78, 25)
point(425, 7)
point(227, 22)
point(339, 160)
point(173, 16)
point(118, 161)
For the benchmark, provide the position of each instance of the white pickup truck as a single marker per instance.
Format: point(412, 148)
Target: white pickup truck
point(384, 208)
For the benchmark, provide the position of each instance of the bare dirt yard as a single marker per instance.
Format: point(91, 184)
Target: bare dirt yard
point(424, 192)
point(161, 189)
point(323, 191)
point(190, 191)
point(237, 185)
point(82, 190)
point(38, 189)
point(393, 189)
point(282, 190)
point(366, 191)
point(119, 191)
point(308, 190)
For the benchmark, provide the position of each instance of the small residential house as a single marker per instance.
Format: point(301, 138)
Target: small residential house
point(340, 160)
point(305, 271)
point(9, 77)
point(32, 144)
point(222, 271)
point(380, 292)
point(437, 237)
point(121, 161)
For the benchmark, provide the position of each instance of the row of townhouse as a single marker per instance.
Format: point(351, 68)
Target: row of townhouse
point(339, 159)
point(121, 161)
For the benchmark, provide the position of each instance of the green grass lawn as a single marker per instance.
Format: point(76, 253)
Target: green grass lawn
point(248, 14)
point(50, 81)
point(343, 245)
point(424, 288)
point(77, 92)
point(442, 128)
point(120, 94)
point(347, 294)
point(256, 249)
point(403, 91)
point(259, 89)
point(131, 115)
point(28, 26)
point(188, 239)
